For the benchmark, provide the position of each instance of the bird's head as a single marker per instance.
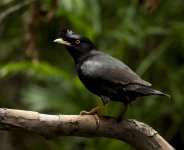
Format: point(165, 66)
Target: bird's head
point(76, 44)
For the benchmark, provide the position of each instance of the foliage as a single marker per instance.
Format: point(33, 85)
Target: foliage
point(150, 43)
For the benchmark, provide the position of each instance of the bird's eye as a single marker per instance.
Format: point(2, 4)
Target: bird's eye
point(77, 42)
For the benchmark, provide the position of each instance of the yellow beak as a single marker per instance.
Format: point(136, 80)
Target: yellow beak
point(61, 41)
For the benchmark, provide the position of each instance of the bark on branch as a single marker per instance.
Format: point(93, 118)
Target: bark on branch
point(137, 134)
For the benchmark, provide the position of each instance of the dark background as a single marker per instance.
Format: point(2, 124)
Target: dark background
point(39, 75)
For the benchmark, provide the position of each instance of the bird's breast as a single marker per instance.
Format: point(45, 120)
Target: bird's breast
point(86, 72)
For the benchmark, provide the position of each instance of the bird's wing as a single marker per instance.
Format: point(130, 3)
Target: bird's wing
point(105, 67)
point(122, 76)
point(112, 74)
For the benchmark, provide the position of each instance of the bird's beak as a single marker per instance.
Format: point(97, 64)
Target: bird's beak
point(61, 41)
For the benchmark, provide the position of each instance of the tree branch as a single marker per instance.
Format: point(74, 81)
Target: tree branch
point(137, 134)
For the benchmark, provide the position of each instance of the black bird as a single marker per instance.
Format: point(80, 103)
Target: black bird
point(104, 75)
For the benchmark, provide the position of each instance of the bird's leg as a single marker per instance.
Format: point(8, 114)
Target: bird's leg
point(122, 115)
point(124, 111)
point(105, 101)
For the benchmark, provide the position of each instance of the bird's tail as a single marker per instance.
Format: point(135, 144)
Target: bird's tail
point(150, 91)
point(144, 90)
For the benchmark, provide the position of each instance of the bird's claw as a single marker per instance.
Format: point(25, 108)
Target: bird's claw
point(83, 112)
point(120, 118)
point(97, 120)
point(94, 114)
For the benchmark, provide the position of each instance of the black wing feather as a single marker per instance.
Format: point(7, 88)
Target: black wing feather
point(122, 76)
point(104, 67)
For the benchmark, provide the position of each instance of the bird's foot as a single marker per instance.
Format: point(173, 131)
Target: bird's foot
point(83, 112)
point(94, 114)
point(120, 118)
point(97, 120)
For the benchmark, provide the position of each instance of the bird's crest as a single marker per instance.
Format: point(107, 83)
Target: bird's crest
point(65, 32)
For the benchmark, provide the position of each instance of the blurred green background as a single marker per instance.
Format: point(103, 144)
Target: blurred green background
point(39, 75)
